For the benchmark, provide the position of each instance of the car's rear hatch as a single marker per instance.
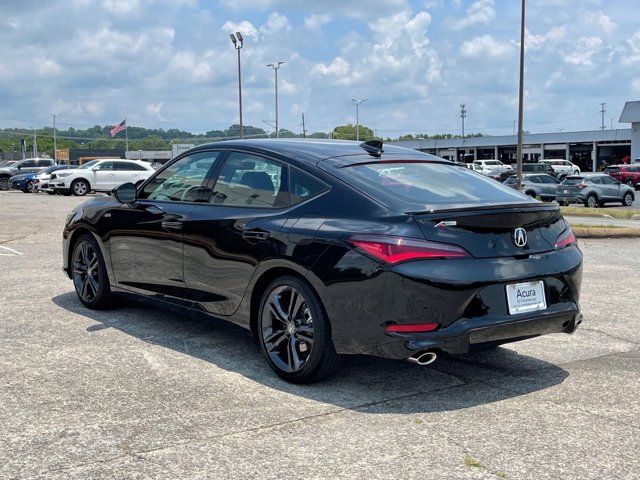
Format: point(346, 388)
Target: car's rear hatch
point(490, 232)
point(571, 185)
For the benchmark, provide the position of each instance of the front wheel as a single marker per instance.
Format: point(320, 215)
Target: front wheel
point(30, 187)
point(89, 274)
point(4, 183)
point(627, 199)
point(294, 332)
point(80, 188)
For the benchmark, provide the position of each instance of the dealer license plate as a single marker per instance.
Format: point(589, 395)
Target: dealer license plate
point(526, 297)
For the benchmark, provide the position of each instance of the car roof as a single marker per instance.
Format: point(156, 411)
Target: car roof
point(316, 150)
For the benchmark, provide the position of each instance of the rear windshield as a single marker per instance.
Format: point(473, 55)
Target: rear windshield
point(429, 183)
point(573, 180)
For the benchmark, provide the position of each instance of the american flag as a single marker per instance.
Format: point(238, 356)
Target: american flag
point(118, 128)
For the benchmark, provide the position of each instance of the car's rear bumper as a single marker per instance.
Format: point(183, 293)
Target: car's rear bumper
point(464, 334)
point(570, 197)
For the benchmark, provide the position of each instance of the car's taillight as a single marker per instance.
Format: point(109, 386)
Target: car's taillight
point(566, 238)
point(581, 185)
point(394, 250)
point(411, 327)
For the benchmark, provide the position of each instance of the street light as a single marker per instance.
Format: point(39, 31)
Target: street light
point(276, 67)
point(357, 103)
point(238, 43)
point(520, 101)
point(55, 145)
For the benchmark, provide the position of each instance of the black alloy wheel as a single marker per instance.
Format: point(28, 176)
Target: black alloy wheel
point(591, 201)
point(90, 274)
point(294, 332)
point(79, 188)
point(627, 199)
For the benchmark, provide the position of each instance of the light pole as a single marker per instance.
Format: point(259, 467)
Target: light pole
point(55, 155)
point(463, 115)
point(276, 67)
point(520, 100)
point(238, 43)
point(357, 103)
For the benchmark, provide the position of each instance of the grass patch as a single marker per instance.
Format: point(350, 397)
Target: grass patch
point(590, 212)
point(586, 225)
point(472, 462)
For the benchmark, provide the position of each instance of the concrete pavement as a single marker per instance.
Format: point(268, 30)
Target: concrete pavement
point(142, 392)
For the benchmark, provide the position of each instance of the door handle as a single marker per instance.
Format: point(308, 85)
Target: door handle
point(172, 225)
point(255, 235)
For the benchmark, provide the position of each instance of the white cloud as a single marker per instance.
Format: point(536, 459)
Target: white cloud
point(245, 27)
point(486, 46)
point(121, 7)
point(316, 22)
point(154, 109)
point(479, 12)
point(338, 67)
point(600, 20)
point(276, 23)
point(585, 49)
point(633, 50)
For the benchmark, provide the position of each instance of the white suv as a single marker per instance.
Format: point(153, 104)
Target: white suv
point(101, 175)
point(563, 167)
point(487, 166)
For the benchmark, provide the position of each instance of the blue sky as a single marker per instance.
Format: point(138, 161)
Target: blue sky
point(170, 63)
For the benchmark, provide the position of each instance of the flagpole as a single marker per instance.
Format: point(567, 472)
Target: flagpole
point(126, 139)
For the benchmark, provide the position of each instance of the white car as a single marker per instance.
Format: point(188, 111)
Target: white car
point(101, 175)
point(563, 167)
point(487, 166)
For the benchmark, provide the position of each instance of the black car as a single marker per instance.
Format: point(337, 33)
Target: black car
point(323, 248)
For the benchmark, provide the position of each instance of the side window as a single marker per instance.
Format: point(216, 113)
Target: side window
point(28, 164)
point(609, 180)
point(182, 180)
point(128, 166)
point(535, 178)
point(303, 186)
point(251, 181)
point(596, 180)
point(105, 166)
point(548, 179)
point(45, 163)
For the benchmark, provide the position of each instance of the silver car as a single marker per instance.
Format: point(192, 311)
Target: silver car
point(539, 185)
point(594, 190)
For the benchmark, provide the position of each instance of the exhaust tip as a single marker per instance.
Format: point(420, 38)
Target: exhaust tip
point(423, 358)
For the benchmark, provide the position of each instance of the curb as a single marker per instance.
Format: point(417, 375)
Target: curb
point(604, 232)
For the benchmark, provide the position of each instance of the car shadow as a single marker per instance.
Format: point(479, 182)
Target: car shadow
point(365, 383)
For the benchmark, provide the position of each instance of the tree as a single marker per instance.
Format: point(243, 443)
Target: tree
point(318, 135)
point(348, 132)
point(152, 142)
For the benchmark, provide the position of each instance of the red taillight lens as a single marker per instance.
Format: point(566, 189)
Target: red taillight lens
point(566, 238)
point(399, 249)
point(581, 185)
point(412, 328)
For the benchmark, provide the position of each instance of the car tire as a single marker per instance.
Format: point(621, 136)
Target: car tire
point(627, 199)
point(30, 187)
point(80, 187)
point(4, 183)
point(591, 201)
point(576, 172)
point(629, 182)
point(51, 193)
point(89, 274)
point(531, 193)
point(294, 332)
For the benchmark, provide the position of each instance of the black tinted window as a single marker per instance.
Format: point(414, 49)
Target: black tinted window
point(303, 186)
point(128, 166)
point(251, 181)
point(180, 181)
point(27, 164)
point(429, 183)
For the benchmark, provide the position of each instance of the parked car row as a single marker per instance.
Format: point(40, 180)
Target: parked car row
point(591, 189)
point(100, 175)
point(556, 168)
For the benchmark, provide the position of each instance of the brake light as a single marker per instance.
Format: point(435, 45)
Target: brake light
point(394, 250)
point(412, 328)
point(566, 238)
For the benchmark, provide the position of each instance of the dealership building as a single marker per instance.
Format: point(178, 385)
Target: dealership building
point(590, 150)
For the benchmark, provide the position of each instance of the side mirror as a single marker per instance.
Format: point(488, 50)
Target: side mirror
point(126, 193)
point(95, 169)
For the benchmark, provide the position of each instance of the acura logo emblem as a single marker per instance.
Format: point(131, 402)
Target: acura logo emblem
point(520, 237)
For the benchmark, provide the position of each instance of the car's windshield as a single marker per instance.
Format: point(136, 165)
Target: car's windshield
point(429, 183)
point(90, 164)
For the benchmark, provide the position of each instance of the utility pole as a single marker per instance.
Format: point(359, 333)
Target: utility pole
point(55, 146)
point(276, 67)
point(463, 115)
point(357, 103)
point(238, 43)
point(521, 99)
point(602, 111)
point(34, 152)
point(304, 130)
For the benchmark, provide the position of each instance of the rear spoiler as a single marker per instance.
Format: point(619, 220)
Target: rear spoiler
point(473, 208)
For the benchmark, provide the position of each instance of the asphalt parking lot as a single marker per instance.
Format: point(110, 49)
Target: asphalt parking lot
point(142, 392)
